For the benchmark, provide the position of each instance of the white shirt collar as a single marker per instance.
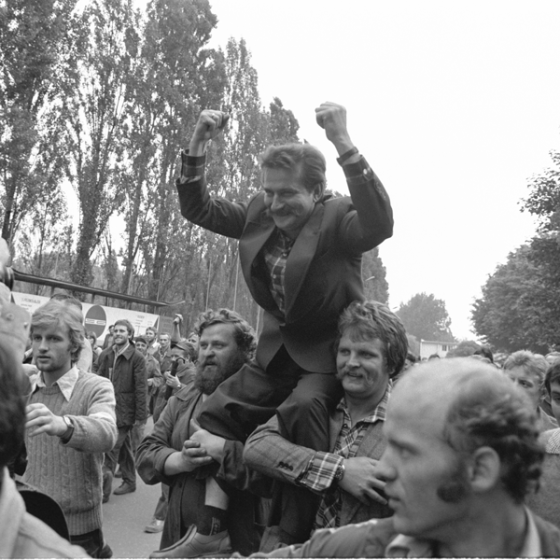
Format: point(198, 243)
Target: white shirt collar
point(409, 547)
point(66, 383)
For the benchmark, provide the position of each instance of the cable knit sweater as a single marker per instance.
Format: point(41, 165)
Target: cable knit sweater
point(71, 472)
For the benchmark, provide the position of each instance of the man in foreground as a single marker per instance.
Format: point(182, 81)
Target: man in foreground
point(70, 424)
point(371, 350)
point(462, 454)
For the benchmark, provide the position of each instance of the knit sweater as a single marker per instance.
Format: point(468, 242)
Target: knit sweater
point(71, 472)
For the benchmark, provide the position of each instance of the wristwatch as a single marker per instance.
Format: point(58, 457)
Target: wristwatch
point(69, 429)
point(339, 473)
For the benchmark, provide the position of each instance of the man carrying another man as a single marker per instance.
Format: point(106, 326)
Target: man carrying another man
point(371, 349)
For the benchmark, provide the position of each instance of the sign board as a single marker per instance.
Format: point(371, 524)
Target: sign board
point(97, 318)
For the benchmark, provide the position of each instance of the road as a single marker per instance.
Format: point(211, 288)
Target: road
point(124, 519)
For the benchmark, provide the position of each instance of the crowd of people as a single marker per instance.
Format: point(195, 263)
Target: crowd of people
point(320, 436)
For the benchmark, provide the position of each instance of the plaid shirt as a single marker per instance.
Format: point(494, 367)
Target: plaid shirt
point(275, 254)
point(319, 475)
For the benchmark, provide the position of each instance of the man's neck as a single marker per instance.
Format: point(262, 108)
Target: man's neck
point(50, 378)
point(358, 409)
point(490, 532)
point(119, 348)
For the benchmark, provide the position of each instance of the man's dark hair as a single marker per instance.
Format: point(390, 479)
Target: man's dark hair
point(552, 376)
point(371, 319)
point(12, 405)
point(244, 333)
point(128, 326)
point(490, 411)
point(485, 352)
point(305, 161)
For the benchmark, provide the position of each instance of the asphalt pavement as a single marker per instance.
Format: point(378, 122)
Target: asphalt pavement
point(124, 519)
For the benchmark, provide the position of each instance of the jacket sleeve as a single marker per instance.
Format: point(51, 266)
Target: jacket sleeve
point(370, 221)
point(96, 432)
point(140, 388)
point(214, 213)
point(103, 369)
point(155, 448)
point(271, 454)
point(235, 472)
point(357, 540)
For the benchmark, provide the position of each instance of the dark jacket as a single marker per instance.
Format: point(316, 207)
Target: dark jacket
point(370, 539)
point(187, 490)
point(128, 375)
point(323, 269)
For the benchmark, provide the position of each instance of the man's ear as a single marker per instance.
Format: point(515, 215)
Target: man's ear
point(318, 191)
point(484, 469)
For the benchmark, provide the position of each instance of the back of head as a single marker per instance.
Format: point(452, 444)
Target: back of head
point(371, 320)
point(244, 333)
point(305, 161)
point(67, 299)
point(482, 408)
point(12, 404)
point(58, 314)
point(189, 349)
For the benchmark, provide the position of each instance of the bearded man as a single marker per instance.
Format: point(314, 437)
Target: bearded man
point(170, 455)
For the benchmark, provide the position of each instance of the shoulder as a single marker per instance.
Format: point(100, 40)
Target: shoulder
point(37, 540)
point(105, 353)
point(88, 379)
point(550, 439)
point(550, 537)
point(367, 539)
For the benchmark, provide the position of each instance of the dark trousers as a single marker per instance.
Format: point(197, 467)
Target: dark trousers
point(93, 543)
point(302, 401)
point(161, 507)
point(123, 455)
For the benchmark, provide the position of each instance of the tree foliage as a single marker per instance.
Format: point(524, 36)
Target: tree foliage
point(374, 275)
point(426, 317)
point(520, 303)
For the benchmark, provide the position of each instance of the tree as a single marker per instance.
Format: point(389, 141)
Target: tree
point(95, 120)
point(32, 37)
point(517, 309)
point(463, 349)
point(426, 317)
point(374, 276)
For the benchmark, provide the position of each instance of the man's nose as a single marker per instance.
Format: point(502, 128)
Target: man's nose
point(353, 360)
point(276, 203)
point(383, 470)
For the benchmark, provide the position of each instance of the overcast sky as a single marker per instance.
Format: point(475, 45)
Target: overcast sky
point(455, 105)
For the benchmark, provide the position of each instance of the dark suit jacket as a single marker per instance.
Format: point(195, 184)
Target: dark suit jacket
point(323, 270)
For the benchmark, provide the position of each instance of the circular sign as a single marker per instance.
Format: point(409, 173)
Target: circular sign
point(96, 320)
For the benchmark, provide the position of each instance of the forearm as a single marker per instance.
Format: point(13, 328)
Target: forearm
point(96, 431)
point(174, 464)
point(93, 434)
point(267, 452)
